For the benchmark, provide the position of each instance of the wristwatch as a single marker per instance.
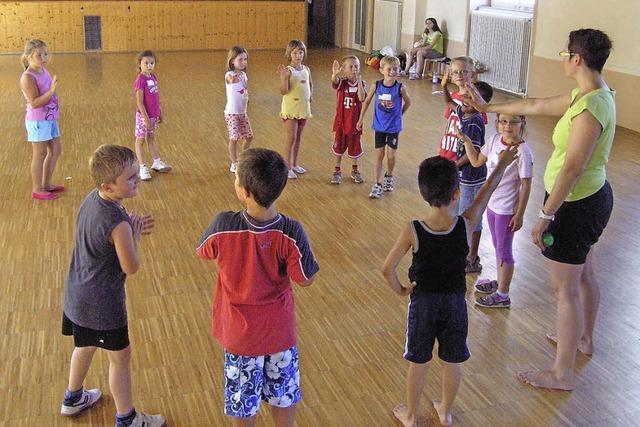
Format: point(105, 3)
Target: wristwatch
point(544, 216)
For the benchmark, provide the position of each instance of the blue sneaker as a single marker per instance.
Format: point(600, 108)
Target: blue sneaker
point(88, 399)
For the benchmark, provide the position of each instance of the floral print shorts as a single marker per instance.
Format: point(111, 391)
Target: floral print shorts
point(274, 378)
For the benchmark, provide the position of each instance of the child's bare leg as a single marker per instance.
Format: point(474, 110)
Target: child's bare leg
point(283, 417)
point(473, 247)
point(80, 362)
point(296, 145)
point(450, 384)
point(569, 327)
point(120, 379)
point(153, 146)
point(37, 166)
point(290, 132)
point(378, 168)
point(391, 160)
point(247, 143)
point(233, 150)
point(139, 150)
point(243, 422)
point(407, 413)
point(505, 274)
point(49, 164)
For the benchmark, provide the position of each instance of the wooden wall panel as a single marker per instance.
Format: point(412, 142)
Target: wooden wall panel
point(158, 25)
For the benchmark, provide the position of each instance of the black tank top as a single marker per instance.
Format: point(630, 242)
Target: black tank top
point(439, 261)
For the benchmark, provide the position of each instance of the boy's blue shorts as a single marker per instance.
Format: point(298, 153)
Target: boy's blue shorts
point(274, 378)
point(437, 316)
point(467, 194)
point(42, 130)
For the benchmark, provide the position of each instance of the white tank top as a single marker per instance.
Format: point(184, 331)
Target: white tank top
point(237, 93)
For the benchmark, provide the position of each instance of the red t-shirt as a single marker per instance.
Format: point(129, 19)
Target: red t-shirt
point(253, 309)
point(449, 142)
point(348, 107)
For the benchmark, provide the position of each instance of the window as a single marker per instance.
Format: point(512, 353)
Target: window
point(518, 5)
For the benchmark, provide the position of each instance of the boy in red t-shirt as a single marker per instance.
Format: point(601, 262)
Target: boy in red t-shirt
point(346, 80)
point(259, 251)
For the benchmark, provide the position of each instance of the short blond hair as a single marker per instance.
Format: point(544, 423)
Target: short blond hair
point(108, 162)
point(349, 58)
point(295, 44)
point(389, 60)
point(468, 61)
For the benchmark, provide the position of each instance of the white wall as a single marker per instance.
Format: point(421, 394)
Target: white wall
point(454, 15)
point(618, 18)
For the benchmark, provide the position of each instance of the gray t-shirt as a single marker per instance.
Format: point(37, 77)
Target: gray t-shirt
point(94, 295)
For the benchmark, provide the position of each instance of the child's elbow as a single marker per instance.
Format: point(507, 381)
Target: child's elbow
point(130, 268)
point(307, 282)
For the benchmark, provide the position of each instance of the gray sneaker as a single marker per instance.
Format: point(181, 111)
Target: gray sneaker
point(387, 183)
point(357, 177)
point(336, 178)
point(88, 399)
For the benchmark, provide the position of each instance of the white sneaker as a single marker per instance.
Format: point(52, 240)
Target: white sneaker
point(88, 399)
point(387, 183)
point(291, 174)
point(145, 173)
point(146, 420)
point(298, 169)
point(233, 168)
point(160, 166)
point(376, 191)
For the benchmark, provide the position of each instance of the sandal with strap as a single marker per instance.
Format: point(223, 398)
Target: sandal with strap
point(494, 301)
point(486, 286)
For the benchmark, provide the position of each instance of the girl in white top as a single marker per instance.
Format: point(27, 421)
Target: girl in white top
point(507, 204)
point(235, 113)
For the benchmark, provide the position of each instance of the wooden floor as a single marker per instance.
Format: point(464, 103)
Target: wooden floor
point(351, 326)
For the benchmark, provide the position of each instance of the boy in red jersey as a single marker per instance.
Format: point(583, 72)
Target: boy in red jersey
point(351, 93)
point(259, 251)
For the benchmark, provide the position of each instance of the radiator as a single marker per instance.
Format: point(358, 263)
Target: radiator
point(387, 22)
point(501, 41)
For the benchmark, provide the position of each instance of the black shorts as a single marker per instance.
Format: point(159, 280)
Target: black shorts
point(437, 316)
point(112, 340)
point(390, 139)
point(578, 225)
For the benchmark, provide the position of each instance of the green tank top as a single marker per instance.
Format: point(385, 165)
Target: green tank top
point(601, 104)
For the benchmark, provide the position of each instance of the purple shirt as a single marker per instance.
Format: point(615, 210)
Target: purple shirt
point(149, 86)
point(50, 110)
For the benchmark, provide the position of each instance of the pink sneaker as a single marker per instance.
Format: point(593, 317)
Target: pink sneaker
point(43, 196)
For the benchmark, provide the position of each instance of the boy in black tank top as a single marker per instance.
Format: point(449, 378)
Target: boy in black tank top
point(437, 307)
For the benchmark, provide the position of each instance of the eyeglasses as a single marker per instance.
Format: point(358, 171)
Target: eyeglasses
point(459, 72)
point(564, 54)
point(505, 122)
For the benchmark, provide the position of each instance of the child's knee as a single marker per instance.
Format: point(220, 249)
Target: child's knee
point(120, 357)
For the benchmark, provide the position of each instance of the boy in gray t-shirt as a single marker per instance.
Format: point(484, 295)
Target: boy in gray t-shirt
point(104, 253)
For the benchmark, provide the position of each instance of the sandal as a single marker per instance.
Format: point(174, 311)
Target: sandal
point(486, 286)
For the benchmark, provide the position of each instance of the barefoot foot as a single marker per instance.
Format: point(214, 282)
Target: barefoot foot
point(585, 347)
point(546, 379)
point(445, 416)
point(401, 412)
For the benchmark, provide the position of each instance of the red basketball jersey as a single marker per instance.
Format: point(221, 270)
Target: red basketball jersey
point(348, 107)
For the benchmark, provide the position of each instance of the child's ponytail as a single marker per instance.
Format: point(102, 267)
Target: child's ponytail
point(28, 51)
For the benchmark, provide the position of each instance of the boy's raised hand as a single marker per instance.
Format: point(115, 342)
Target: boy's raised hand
point(336, 68)
point(507, 156)
point(472, 96)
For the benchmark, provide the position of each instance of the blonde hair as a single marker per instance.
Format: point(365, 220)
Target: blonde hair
point(349, 57)
point(295, 44)
point(389, 60)
point(108, 162)
point(28, 51)
point(145, 54)
point(468, 61)
point(234, 52)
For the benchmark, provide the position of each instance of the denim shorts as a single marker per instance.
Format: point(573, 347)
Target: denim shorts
point(468, 194)
point(274, 378)
point(42, 130)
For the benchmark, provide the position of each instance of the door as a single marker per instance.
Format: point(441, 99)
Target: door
point(321, 21)
point(359, 35)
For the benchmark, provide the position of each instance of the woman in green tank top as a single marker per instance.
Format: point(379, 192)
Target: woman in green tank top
point(578, 200)
point(430, 46)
